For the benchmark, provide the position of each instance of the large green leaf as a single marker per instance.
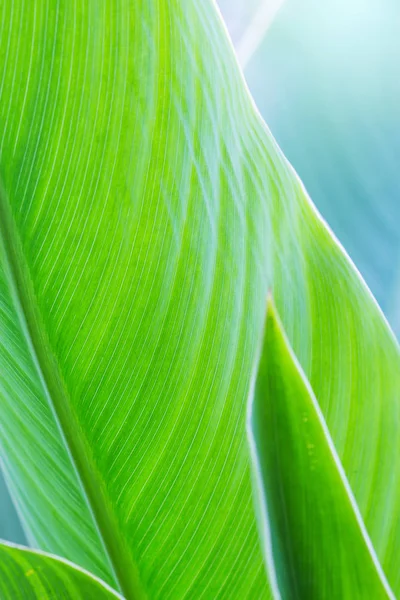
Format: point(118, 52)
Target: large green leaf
point(28, 575)
point(324, 79)
point(314, 539)
point(145, 210)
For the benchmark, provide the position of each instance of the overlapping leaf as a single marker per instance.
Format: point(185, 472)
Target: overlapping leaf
point(145, 211)
point(313, 536)
point(29, 575)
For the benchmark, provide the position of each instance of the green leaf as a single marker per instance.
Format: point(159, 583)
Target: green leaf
point(145, 211)
point(315, 542)
point(29, 575)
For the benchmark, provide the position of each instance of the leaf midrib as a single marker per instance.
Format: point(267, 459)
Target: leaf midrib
point(123, 569)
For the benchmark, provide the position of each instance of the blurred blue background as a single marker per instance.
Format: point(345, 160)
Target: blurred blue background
point(325, 75)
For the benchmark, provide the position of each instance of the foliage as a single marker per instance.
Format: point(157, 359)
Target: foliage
point(145, 211)
point(29, 575)
point(314, 539)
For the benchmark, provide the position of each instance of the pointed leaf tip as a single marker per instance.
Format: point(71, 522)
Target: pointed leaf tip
point(314, 540)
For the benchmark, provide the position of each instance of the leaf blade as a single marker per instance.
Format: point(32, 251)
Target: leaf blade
point(315, 541)
point(154, 210)
point(29, 575)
